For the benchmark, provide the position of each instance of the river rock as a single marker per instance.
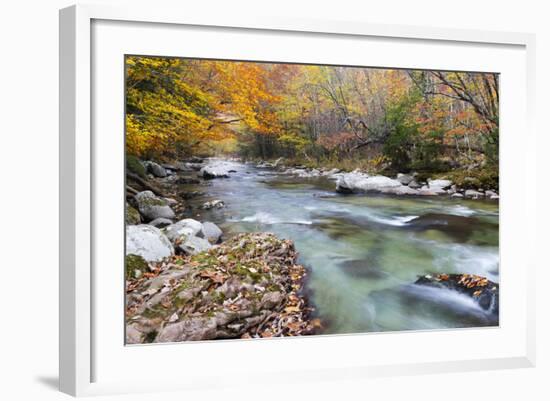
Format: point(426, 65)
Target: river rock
point(473, 194)
point(156, 169)
point(161, 222)
point(194, 166)
point(148, 242)
point(404, 179)
point(192, 245)
point(443, 184)
point(479, 288)
point(433, 191)
point(183, 228)
point(211, 232)
point(414, 185)
point(490, 194)
point(360, 182)
point(152, 207)
point(211, 172)
point(216, 203)
point(457, 195)
point(401, 190)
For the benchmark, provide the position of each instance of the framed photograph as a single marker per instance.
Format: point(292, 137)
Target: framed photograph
point(309, 199)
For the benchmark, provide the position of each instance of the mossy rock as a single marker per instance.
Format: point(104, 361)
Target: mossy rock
point(132, 215)
point(134, 165)
point(135, 266)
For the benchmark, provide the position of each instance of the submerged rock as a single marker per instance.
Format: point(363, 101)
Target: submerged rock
point(247, 287)
point(479, 288)
point(148, 242)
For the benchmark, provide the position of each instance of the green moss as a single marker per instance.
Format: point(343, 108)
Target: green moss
point(133, 164)
point(135, 263)
point(154, 201)
point(132, 215)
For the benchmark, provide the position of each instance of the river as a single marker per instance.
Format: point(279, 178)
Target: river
point(364, 252)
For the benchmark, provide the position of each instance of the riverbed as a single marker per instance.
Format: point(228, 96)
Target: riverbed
point(364, 252)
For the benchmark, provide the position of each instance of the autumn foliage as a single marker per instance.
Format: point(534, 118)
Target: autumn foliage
point(414, 119)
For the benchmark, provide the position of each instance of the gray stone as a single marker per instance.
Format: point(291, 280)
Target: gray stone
point(360, 182)
point(211, 172)
point(443, 184)
point(402, 190)
point(404, 179)
point(148, 242)
point(414, 185)
point(457, 195)
point(211, 232)
point(196, 328)
point(184, 228)
point(193, 166)
point(133, 335)
point(472, 194)
point(192, 245)
point(152, 207)
point(156, 169)
point(217, 203)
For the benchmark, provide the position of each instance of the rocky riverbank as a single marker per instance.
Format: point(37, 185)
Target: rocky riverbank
point(413, 184)
point(183, 283)
point(248, 287)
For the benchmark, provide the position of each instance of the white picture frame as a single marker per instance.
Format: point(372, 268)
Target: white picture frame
point(84, 355)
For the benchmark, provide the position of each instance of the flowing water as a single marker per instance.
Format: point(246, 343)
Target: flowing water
point(365, 252)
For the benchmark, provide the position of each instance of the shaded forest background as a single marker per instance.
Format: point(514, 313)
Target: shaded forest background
point(346, 117)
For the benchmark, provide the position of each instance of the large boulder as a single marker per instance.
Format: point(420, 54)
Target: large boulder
point(360, 182)
point(152, 207)
point(443, 184)
point(211, 172)
point(156, 169)
point(211, 232)
point(148, 242)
